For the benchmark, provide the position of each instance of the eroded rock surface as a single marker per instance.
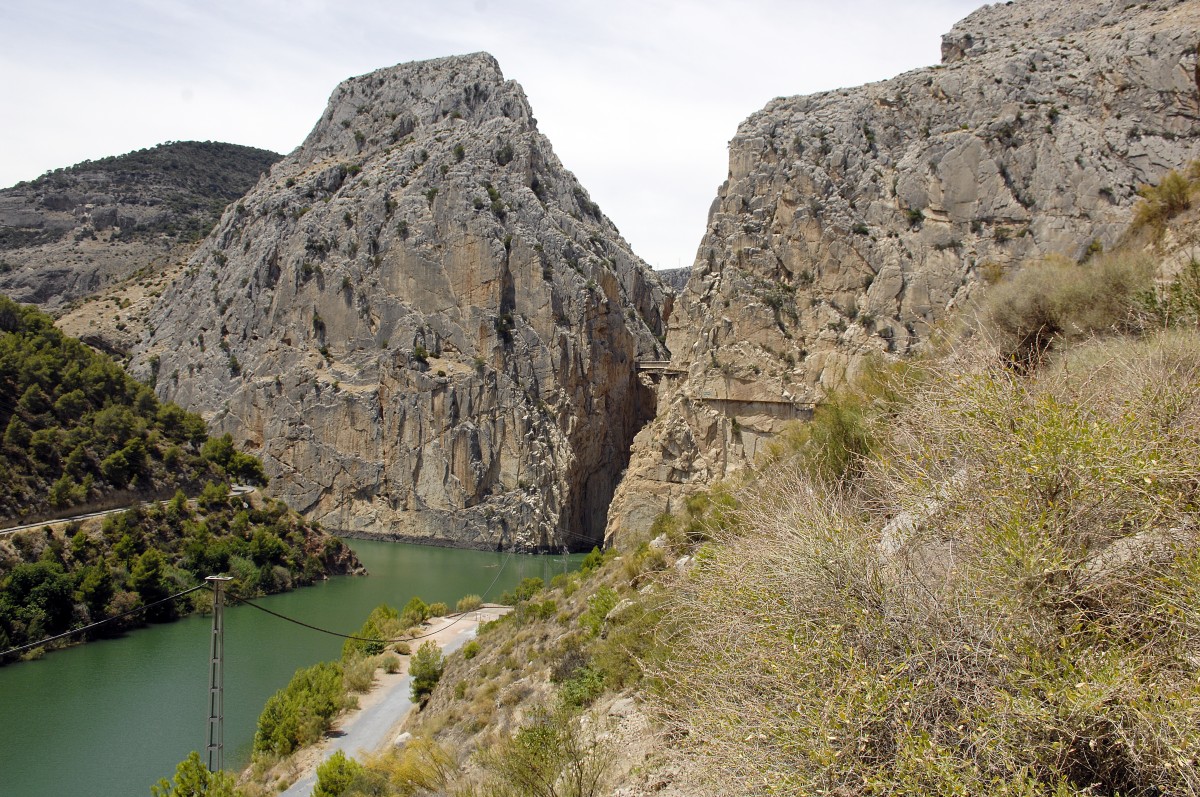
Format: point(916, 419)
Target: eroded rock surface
point(853, 221)
point(420, 321)
point(74, 231)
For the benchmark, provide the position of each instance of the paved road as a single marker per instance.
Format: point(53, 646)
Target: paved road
point(238, 489)
point(368, 730)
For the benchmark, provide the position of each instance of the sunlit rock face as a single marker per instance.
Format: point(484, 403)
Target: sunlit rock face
point(853, 221)
point(421, 321)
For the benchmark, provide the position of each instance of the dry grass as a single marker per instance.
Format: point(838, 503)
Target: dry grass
point(1010, 605)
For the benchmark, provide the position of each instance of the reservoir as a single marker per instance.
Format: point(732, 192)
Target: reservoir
point(111, 717)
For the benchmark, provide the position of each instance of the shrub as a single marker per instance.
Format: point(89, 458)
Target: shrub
point(1059, 298)
point(551, 750)
point(335, 775)
point(382, 624)
point(470, 650)
point(414, 612)
point(468, 603)
point(192, 779)
point(299, 713)
point(438, 609)
point(599, 603)
point(1170, 197)
point(524, 591)
point(1008, 605)
point(391, 664)
point(426, 670)
point(358, 673)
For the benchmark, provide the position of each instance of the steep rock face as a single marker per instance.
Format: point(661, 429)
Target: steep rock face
point(420, 321)
point(853, 221)
point(73, 231)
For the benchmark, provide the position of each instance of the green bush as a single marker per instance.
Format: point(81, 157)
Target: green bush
point(382, 624)
point(599, 604)
point(1170, 197)
point(438, 609)
point(1060, 299)
point(192, 779)
point(358, 673)
point(335, 775)
point(524, 591)
point(468, 603)
point(415, 612)
point(551, 755)
point(301, 712)
point(426, 670)
point(470, 650)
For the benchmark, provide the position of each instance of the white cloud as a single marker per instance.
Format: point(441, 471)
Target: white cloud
point(639, 97)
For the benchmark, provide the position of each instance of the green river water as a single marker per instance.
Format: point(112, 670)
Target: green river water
point(109, 718)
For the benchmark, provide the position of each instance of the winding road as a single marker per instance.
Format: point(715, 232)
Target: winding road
point(373, 728)
point(237, 489)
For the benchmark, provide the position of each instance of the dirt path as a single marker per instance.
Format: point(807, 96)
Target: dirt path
point(375, 723)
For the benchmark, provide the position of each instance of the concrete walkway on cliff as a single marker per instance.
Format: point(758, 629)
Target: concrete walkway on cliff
point(374, 725)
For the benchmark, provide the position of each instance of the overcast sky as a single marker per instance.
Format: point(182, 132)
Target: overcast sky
point(638, 97)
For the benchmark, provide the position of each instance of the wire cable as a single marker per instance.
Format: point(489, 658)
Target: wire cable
point(98, 623)
point(457, 616)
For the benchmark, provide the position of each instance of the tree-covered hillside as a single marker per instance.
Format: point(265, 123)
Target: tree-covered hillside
point(77, 428)
point(78, 433)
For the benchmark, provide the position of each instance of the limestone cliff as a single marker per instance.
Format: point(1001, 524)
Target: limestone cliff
point(420, 321)
point(853, 221)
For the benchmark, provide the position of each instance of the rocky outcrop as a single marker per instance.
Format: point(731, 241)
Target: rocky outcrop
point(854, 221)
point(75, 231)
point(420, 321)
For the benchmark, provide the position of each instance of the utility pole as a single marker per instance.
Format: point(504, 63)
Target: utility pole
point(216, 681)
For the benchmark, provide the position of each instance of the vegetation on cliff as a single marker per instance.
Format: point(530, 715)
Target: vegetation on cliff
point(192, 181)
point(77, 428)
point(971, 573)
point(80, 433)
point(998, 593)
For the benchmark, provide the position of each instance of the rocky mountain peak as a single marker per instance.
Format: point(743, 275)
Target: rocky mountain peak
point(369, 113)
point(1020, 25)
point(421, 321)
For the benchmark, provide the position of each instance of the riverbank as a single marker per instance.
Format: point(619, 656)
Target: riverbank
point(374, 725)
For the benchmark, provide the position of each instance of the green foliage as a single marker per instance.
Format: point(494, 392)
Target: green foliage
point(415, 612)
point(335, 775)
point(79, 427)
point(425, 670)
point(549, 757)
point(192, 779)
point(524, 591)
point(381, 625)
point(468, 603)
point(591, 562)
point(582, 688)
point(301, 712)
point(1169, 198)
point(471, 649)
point(438, 609)
point(1060, 299)
point(57, 582)
point(599, 604)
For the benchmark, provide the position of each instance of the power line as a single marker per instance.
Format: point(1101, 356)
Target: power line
point(99, 623)
point(457, 616)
